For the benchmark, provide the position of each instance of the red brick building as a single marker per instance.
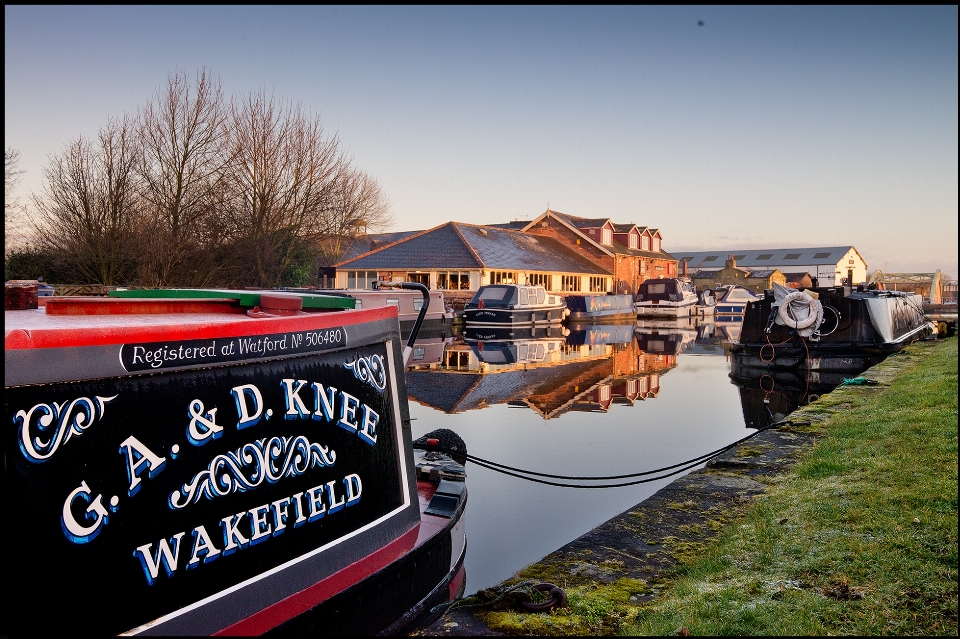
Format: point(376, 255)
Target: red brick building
point(630, 253)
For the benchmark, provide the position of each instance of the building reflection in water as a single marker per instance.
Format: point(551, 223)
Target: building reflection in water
point(550, 370)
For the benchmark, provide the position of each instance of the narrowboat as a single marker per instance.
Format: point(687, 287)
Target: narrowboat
point(437, 322)
point(665, 297)
point(240, 463)
point(829, 328)
point(599, 308)
point(514, 305)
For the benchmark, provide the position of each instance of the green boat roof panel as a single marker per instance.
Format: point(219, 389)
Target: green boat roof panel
point(246, 298)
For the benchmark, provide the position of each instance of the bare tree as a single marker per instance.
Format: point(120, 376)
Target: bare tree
point(88, 207)
point(12, 211)
point(358, 206)
point(183, 139)
point(281, 176)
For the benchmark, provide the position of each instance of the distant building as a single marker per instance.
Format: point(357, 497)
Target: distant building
point(755, 281)
point(457, 256)
point(630, 253)
point(830, 265)
point(927, 285)
point(798, 280)
point(563, 253)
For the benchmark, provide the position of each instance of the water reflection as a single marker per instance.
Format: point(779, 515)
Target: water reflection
point(588, 369)
point(593, 400)
point(769, 395)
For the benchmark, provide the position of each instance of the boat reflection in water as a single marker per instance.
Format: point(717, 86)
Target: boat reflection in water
point(668, 336)
point(551, 370)
point(769, 396)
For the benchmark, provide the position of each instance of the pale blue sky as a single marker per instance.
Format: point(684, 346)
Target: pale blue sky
point(765, 127)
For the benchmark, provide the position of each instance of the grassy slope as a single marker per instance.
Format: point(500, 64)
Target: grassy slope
point(860, 539)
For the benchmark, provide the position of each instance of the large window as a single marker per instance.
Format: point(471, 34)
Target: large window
point(606, 236)
point(361, 279)
point(453, 280)
point(656, 245)
point(570, 283)
point(645, 243)
point(633, 240)
point(419, 278)
point(598, 284)
point(503, 277)
point(541, 279)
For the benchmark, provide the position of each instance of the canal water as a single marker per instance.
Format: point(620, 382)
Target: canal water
point(601, 400)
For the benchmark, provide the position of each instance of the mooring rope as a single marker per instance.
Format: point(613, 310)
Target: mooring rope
point(660, 473)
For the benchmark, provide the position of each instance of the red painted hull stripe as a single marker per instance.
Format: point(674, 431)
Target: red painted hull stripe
point(302, 601)
point(187, 328)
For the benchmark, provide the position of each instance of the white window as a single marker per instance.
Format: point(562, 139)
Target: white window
point(656, 245)
point(645, 243)
point(453, 280)
point(598, 284)
point(606, 236)
point(540, 279)
point(570, 283)
point(361, 279)
point(633, 240)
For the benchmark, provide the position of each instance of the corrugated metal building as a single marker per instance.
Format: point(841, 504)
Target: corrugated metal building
point(830, 265)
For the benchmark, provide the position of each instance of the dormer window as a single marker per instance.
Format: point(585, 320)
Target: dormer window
point(606, 237)
point(656, 245)
point(633, 240)
point(645, 243)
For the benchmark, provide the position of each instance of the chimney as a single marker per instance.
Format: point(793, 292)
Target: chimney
point(731, 263)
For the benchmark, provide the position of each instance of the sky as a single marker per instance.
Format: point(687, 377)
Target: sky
point(724, 127)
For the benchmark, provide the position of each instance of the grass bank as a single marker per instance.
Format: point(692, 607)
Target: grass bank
point(859, 539)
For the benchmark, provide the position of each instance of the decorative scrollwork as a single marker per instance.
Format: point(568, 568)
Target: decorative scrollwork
point(59, 422)
point(371, 370)
point(265, 460)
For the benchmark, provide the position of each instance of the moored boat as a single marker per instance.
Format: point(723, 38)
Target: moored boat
point(599, 308)
point(731, 300)
point(221, 465)
point(514, 304)
point(830, 328)
point(665, 297)
point(437, 322)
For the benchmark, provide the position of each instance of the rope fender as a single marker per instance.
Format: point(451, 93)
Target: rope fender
point(792, 306)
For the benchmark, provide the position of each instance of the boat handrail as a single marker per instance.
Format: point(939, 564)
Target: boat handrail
point(410, 286)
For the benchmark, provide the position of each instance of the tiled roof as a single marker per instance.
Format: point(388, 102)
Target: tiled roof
point(762, 272)
point(511, 249)
point(579, 222)
point(456, 245)
point(365, 243)
point(778, 257)
point(623, 228)
point(624, 250)
point(515, 225)
point(439, 247)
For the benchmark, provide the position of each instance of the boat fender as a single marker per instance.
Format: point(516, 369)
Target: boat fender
point(557, 598)
point(445, 439)
point(814, 311)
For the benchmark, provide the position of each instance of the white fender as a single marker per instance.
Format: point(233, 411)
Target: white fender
point(814, 315)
